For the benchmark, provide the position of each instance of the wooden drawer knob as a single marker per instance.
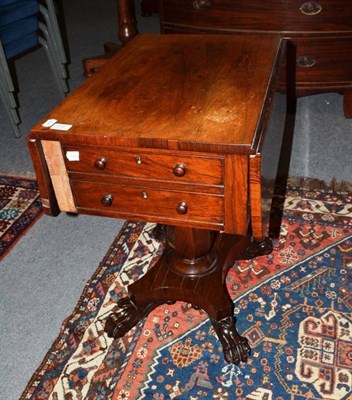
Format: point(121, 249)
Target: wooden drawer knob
point(182, 208)
point(201, 4)
point(106, 200)
point(179, 170)
point(306, 61)
point(100, 163)
point(310, 8)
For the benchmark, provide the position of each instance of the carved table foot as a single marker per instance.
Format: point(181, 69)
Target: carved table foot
point(259, 247)
point(126, 316)
point(235, 347)
point(193, 269)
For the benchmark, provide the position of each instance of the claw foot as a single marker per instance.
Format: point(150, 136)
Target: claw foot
point(125, 318)
point(158, 233)
point(259, 247)
point(235, 347)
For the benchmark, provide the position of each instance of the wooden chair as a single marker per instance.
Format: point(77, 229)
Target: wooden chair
point(127, 30)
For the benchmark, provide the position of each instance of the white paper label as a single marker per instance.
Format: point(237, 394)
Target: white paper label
point(61, 127)
point(48, 123)
point(72, 155)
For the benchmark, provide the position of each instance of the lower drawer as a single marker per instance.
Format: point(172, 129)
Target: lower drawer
point(129, 201)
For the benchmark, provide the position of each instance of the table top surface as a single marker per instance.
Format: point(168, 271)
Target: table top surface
point(190, 92)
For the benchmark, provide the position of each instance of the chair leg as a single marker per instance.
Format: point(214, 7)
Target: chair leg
point(93, 64)
point(11, 101)
point(51, 41)
point(5, 72)
point(53, 45)
point(61, 68)
point(11, 112)
point(52, 18)
point(54, 36)
point(60, 82)
point(6, 93)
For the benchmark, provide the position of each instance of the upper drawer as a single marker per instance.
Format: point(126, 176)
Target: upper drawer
point(181, 168)
point(268, 15)
point(322, 60)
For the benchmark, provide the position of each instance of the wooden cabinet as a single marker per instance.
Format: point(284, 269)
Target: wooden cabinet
point(182, 130)
point(145, 145)
point(289, 17)
point(320, 34)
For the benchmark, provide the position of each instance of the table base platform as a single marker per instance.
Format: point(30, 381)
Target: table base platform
point(200, 280)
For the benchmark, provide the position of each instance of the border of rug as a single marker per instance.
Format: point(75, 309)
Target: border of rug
point(32, 221)
point(306, 183)
point(317, 184)
point(36, 375)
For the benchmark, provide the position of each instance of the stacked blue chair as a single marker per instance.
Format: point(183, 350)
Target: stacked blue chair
point(25, 24)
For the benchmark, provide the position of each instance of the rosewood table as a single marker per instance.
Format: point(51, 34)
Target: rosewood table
point(184, 131)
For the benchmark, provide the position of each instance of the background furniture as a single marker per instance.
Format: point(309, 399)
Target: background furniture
point(24, 25)
point(320, 34)
point(149, 7)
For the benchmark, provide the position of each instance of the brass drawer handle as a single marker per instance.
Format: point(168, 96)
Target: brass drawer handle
point(310, 8)
point(182, 208)
point(106, 200)
point(179, 170)
point(306, 61)
point(201, 4)
point(100, 163)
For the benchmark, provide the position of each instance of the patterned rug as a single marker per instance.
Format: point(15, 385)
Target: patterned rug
point(20, 207)
point(294, 306)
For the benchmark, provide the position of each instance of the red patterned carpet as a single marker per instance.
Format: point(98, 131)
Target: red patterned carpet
point(20, 207)
point(294, 306)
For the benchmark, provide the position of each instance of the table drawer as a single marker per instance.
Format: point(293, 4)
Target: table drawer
point(147, 202)
point(170, 167)
point(323, 60)
point(271, 15)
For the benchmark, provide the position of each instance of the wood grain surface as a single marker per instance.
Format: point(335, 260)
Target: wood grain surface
point(199, 93)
